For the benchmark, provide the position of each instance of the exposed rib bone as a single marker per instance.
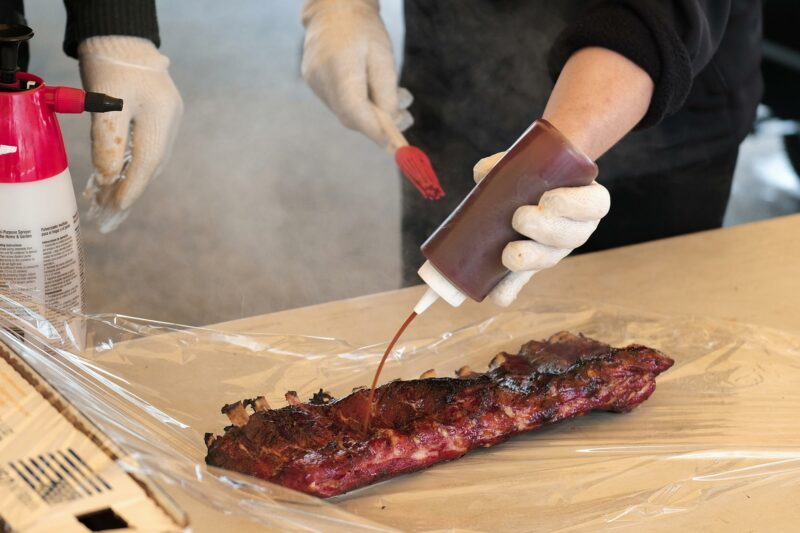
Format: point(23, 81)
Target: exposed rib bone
point(321, 398)
point(292, 398)
point(428, 374)
point(465, 372)
point(257, 404)
point(498, 360)
point(236, 413)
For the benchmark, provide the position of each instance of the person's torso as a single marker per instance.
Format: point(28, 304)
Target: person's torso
point(478, 70)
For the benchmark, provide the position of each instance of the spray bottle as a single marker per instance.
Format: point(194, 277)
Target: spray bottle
point(40, 245)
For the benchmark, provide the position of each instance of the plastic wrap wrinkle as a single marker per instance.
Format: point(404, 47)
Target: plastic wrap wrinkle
point(722, 420)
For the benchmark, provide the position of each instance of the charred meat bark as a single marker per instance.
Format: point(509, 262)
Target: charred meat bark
point(321, 448)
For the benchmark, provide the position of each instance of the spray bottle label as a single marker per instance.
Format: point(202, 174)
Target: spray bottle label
point(46, 263)
point(40, 248)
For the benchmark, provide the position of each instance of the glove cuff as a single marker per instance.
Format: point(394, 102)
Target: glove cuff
point(123, 50)
point(312, 8)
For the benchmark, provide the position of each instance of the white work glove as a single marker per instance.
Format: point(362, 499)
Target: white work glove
point(348, 63)
point(564, 219)
point(130, 147)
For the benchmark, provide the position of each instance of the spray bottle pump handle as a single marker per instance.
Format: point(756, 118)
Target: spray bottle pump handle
point(11, 36)
point(63, 99)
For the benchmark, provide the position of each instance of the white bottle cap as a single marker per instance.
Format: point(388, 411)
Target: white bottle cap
point(439, 285)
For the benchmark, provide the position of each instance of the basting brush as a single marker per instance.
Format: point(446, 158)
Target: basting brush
point(412, 161)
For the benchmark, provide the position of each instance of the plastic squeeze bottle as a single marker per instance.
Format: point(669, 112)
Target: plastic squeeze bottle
point(464, 255)
point(40, 244)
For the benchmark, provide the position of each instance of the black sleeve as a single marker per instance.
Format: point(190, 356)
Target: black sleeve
point(672, 40)
point(90, 18)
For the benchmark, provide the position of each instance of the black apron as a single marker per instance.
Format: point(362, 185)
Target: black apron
point(478, 73)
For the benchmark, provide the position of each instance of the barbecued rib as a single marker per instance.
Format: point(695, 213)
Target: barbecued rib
point(320, 447)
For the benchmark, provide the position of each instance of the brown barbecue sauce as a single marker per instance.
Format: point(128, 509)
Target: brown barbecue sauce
point(370, 402)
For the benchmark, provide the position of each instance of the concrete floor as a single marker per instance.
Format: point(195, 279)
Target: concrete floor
point(267, 202)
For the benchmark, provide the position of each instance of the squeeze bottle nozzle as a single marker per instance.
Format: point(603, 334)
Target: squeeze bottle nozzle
point(438, 287)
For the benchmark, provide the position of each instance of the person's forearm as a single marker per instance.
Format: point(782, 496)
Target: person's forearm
point(599, 97)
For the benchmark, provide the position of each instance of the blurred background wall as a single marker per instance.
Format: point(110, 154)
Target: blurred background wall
point(267, 202)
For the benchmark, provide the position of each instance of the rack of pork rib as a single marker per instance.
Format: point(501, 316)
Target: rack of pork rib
point(323, 448)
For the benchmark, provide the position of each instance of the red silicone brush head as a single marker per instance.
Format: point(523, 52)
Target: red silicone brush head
point(417, 168)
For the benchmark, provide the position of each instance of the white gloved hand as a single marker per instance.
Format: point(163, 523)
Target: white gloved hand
point(564, 219)
point(348, 63)
point(130, 68)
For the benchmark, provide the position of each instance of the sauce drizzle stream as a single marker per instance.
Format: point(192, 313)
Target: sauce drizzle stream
point(370, 404)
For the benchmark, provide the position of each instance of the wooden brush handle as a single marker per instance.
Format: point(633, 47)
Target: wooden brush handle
point(393, 134)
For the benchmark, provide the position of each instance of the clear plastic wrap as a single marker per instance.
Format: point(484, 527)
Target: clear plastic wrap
point(102, 208)
point(722, 420)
